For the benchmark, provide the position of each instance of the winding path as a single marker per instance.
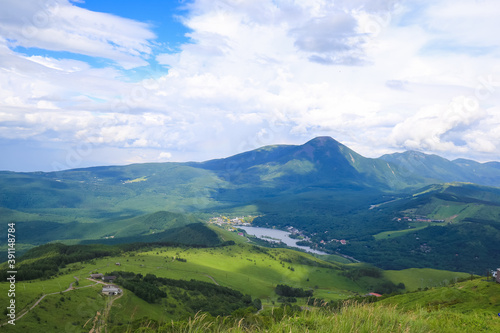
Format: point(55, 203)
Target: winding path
point(24, 312)
point(211, 277)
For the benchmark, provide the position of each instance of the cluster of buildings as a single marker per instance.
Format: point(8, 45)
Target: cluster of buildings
point(341, 241)
point(418, 219)
point(109, 289)
point(496, 275)
point(231, 223)
point(223, 220)
point(296, 231)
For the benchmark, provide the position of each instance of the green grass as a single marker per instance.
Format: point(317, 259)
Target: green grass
point(249, 269)
point(28, 292)
point(241, 267)
point(469, 306)
point(333, 258)
point(415, 278)
point(227, 235)
point(130, 307)
point(363, 318)
point(396, 233)
point(476, 296)
point(66, 312)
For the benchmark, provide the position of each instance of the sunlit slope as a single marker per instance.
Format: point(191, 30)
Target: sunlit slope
point(420, 278)
point(474, 296)
point(459, 307)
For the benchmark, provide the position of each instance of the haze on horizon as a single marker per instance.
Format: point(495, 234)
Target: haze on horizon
point(86, 83)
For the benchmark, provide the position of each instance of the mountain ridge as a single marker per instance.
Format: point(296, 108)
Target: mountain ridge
point(271, 171)
point(321, 188)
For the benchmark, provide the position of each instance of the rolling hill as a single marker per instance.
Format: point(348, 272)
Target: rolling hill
point(188, 280)
point(213, 280)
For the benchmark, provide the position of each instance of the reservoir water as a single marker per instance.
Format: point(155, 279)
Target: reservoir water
point(274, 235)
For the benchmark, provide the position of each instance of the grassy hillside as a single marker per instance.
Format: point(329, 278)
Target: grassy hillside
point(246, 268)
point(160, 226)
point(352, 318)
point(473, 296)
point(420, 278)
point(464, 307)
point(469, 306)
point(242, 267)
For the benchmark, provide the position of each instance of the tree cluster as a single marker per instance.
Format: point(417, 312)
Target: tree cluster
point(194, 295)
point(288, 291)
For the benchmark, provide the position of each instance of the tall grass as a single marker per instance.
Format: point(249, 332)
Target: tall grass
point(351, 317)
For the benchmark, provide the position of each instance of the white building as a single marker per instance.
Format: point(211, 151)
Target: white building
point(111, 290)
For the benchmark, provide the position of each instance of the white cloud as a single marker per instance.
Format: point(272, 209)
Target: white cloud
point(372, 74)
point(65, 65)
point(464, 24)
point(164, 156)
point(437, 127)
point(60, 26)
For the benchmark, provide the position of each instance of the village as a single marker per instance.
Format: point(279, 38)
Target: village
point(418, 219)
point(232, 224)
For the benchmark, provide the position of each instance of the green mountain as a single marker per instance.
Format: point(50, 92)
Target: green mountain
point(273, 170)
point(436, 169)
point(321, 162)
point(322, 188)
point(320, 165)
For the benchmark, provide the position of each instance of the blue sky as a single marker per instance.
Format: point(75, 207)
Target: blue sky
point(87, 83)
point(163, 17)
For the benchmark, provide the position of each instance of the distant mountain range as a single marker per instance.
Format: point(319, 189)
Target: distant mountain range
point(436, 169)
point(320, 187)
point(322, 161)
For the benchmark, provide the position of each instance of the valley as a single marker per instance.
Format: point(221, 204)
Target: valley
point(395, 225)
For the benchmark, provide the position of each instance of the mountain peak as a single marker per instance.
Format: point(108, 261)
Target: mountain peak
point(321, 141)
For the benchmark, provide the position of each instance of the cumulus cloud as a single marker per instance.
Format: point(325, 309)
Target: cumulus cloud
point(432, 128)
point(331, 39)
point(256, 72)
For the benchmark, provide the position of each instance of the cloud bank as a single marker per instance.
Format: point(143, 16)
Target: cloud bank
point(379, 76)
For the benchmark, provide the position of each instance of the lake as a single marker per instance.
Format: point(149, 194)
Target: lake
point(274, 235)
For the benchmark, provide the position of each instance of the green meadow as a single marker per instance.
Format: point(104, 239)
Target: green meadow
point(471, 296)
point(415, 278)
point(414, 227)
point(249, 269)
point(244, 267)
